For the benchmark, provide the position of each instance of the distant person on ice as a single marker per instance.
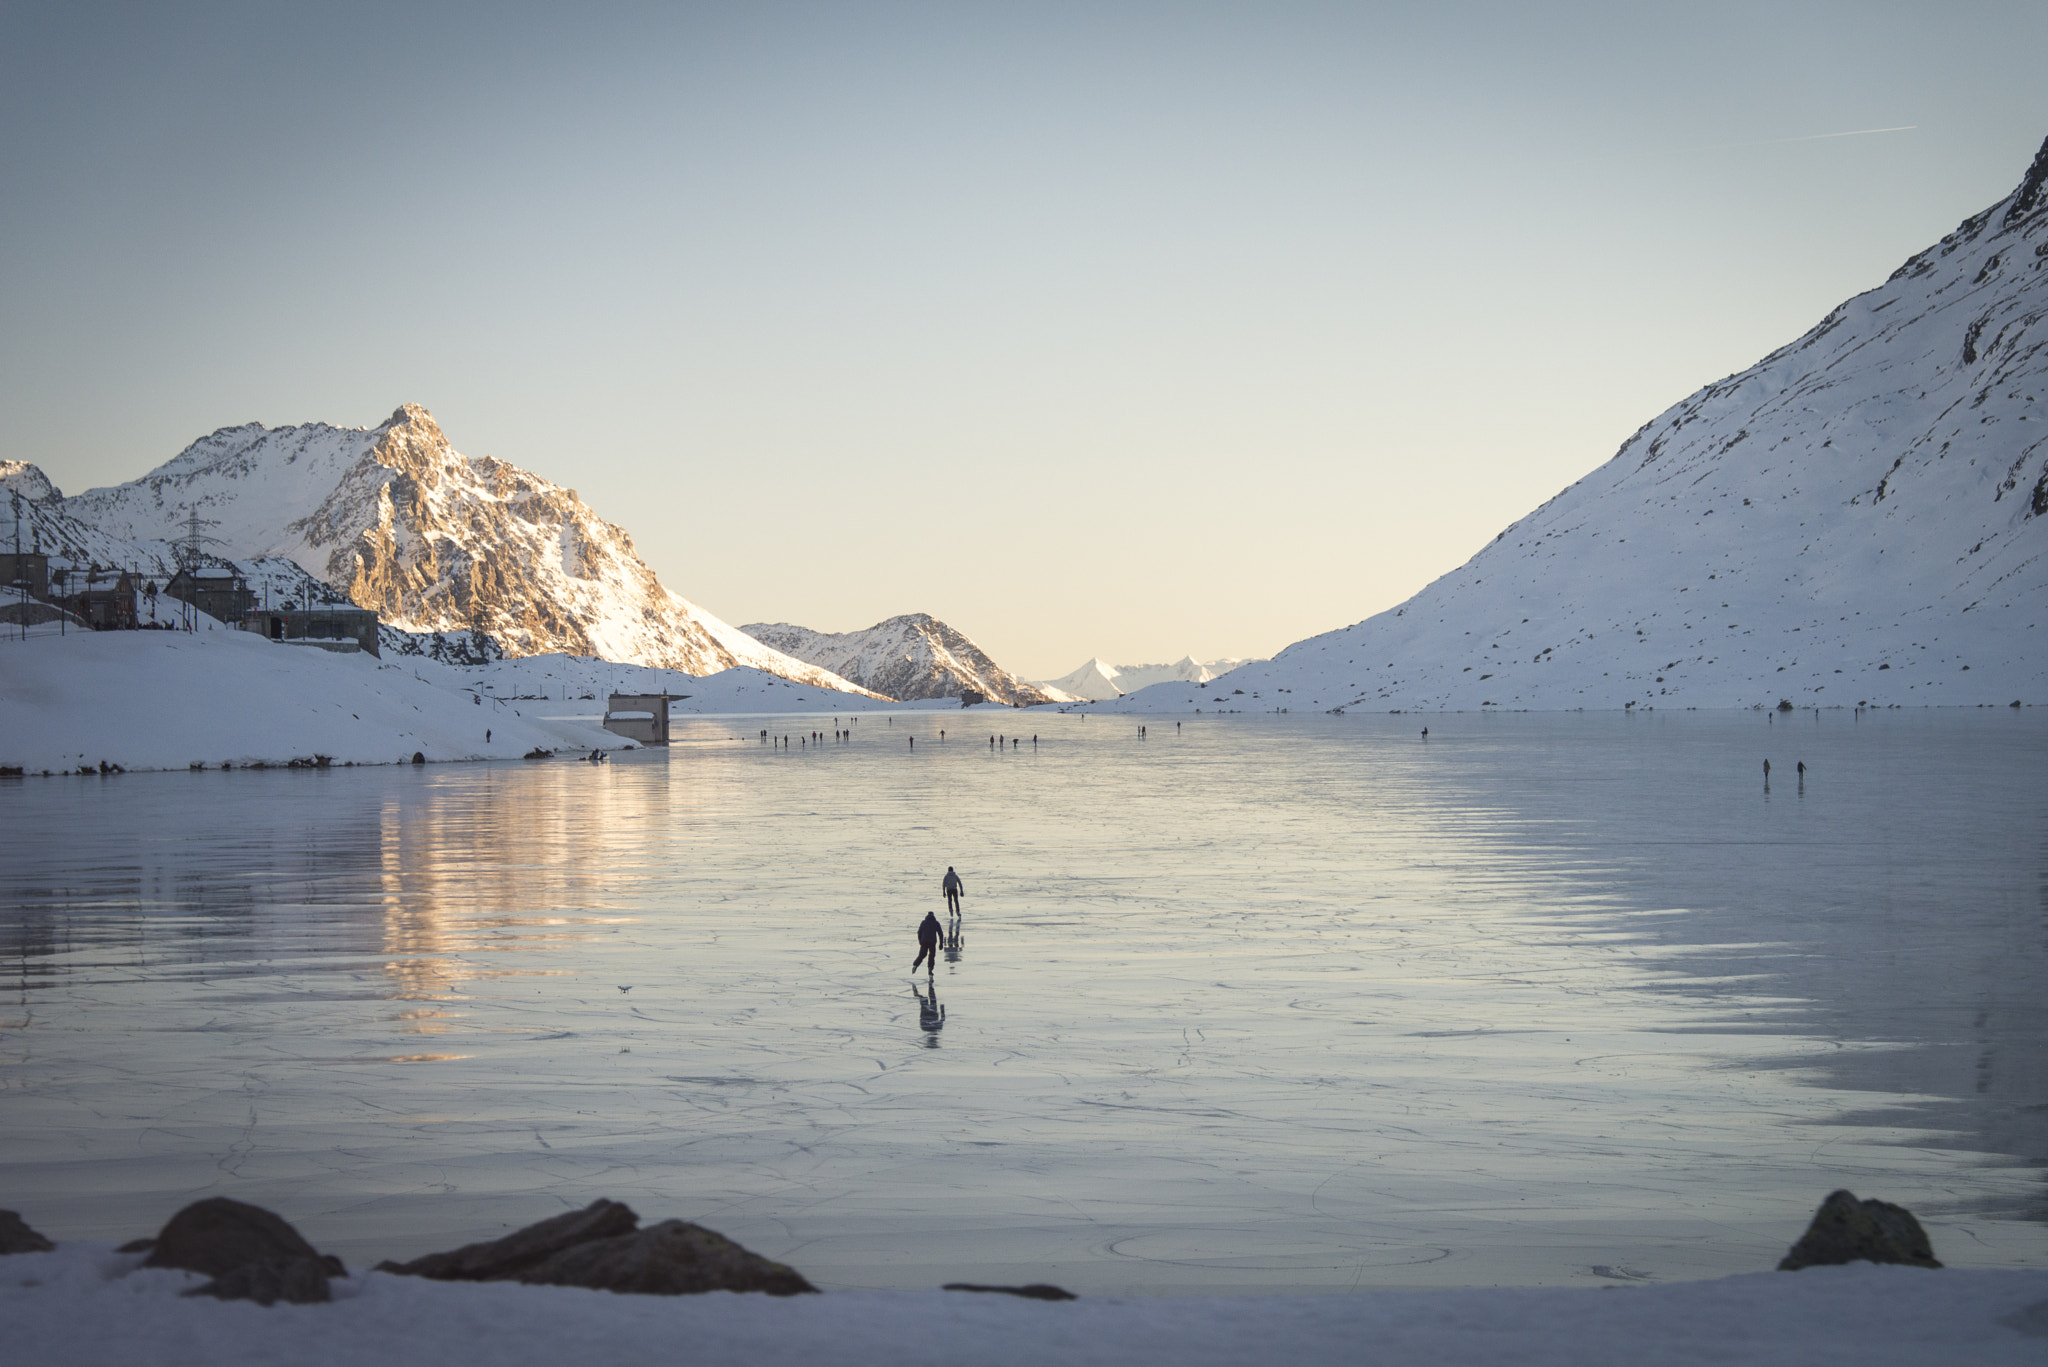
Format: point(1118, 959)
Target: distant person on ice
point(952, 887)
point(929, 932)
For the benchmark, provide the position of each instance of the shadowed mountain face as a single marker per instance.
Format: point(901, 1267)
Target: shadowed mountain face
point(912, 656)
point(1861, 516)
point(434, 540)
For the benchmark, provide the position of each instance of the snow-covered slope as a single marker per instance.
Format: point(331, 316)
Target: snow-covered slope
point(172, 699)
point(434, 540)
point(1861, 516)
point(1099, 679)
point(908, 657)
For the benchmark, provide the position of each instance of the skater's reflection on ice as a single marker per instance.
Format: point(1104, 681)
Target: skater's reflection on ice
point(954, 940)
point(931, 1014)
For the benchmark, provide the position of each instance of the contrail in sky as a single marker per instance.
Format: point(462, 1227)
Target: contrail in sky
point(1816, 137)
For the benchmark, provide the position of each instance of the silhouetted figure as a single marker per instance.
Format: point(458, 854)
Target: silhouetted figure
point(487, 735)
point(1425, 733)
point(952, 887)
point(929, 932)
point(1802, 769)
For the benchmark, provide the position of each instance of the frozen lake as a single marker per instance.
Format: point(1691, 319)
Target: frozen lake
point(1289, 1003)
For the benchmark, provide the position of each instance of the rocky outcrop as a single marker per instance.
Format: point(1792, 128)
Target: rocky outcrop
point(17, 1237)
point(506, 1259)
point(1846, 1230)
point(905, 658)
point(673, 1258)
point(601, 1247)
point(250, 1253)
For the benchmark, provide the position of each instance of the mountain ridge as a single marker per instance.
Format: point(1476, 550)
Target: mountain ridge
point(908, 657)
point(1856, 519)
point(435, 541)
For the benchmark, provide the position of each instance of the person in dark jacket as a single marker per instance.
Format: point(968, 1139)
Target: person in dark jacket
point(929, 932)
point(952, 887)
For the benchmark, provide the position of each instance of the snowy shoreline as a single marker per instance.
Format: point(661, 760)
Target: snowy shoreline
point(135, 701)
point(87, 1304)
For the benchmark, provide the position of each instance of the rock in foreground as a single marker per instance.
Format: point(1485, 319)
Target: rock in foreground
point(1846, 1230)
point(1035, 1291)
point(502, 1260)
point(601, 1247)
point(251, 1254)
point(17, 1237)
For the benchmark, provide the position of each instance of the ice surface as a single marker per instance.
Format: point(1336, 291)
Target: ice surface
point(1255, 1005)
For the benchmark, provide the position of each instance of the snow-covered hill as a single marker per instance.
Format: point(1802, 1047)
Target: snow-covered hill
point(434, 540)
point(1860, 517)
point(217, 697)
point(908, 657)
point(1099, 679)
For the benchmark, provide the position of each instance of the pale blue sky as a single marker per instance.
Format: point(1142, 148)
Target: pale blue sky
point(1119, 329)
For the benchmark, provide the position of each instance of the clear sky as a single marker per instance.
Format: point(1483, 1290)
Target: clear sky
point(1119, 329)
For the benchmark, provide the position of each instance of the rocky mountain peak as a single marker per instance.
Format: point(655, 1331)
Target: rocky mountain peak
point(27, 480)
point(2028, 197)
point(412, 443)
point(911, 656)
point(400, 521)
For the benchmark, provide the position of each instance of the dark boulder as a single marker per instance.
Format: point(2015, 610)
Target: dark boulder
point(297, 1281)
point(673, 1258)
point(1035, 1291)
point(504, 1259)
point(218, 1235)
point(17, 1237)
point(1846, 1230)
point(603, 1248)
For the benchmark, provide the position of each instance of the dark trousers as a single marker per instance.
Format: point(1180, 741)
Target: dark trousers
point(953, 903)
point(926, 952)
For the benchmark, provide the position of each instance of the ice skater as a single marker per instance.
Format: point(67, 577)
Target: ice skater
point(952, 887)
point(929, 932)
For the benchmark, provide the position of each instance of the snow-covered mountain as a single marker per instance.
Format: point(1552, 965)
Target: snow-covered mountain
point(1861, 516)
point(1099, 679)
point(908, 657)
point(436, 541)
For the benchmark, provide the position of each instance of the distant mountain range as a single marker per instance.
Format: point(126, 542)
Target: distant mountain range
point(908, 657)
point(1860, 517)
point(1098, 679)
point(394, 518)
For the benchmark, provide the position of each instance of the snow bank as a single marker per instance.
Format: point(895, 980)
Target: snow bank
point(170, 699)
point(84, 1304)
